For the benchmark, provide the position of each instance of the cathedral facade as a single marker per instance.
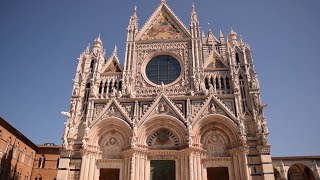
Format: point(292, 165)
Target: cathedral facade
point(185, 105)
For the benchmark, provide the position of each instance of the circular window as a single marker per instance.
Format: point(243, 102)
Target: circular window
point(163, 69)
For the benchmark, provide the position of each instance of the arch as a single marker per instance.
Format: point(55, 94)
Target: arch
point(277, 175)
point(225, 127)
point(103, 127)
point(151, 126)
point(300, 171)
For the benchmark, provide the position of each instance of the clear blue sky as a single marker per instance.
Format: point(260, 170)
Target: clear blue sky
point(41, 40)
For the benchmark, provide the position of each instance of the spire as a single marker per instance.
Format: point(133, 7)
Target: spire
point(232, 39)
point(115, 49)
point(221, 35)
point(98, 39)
point(115, 53)
point(221, 38)
point(241, 40)
point(194, 17)
point(97, 44)
point(210, 36)
point(88, 49)
point(135, 11)
point(203, 35)
point(133, 19)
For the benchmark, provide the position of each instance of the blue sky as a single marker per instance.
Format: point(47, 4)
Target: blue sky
point(41, 40)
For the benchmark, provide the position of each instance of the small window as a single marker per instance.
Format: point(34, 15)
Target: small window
point(42, 161)
point(237, 58)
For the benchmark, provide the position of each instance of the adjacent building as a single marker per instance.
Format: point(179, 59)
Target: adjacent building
point(21, 159)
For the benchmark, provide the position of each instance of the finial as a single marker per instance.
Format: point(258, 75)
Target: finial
point(115, 49)
point(221, 35)
point(88, 48)
point(163, 1)
point(135, 11)
point(98, 39)
point(241, 40)
point(233, 32)
point(203, 35)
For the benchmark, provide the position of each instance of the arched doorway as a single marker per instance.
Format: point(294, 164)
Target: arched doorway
point(300, 172)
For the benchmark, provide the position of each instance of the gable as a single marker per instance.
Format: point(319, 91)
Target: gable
point(215, 61)
point(112, 110)
point(113, 67)
point(211, 106)
point(163, 24)
point(162, 106)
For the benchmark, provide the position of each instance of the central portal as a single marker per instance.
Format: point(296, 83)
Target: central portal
point(109, 174)
point(217, 173)
point(162, 169)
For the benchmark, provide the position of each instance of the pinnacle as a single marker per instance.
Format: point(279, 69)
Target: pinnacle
point(115, 49)
point(221, 35)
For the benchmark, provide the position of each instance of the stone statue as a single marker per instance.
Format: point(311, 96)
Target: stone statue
point(203, 88)
point(75, 91)
point(71, 132)
point(211, 90)
point(84, 142)
point(254, 83)
point(258, 126)
point(112, 110)
point(93, 91)
point(212, 108)
point(162, 87)
point(264, 139)
point(265, 127)
point(119, 94)
point(256, 102)
point(86, 131)
point(72, 107)
point(65, 135)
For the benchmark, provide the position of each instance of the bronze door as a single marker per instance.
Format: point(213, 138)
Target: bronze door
point(109, 174)
point(217, 173)
point(162, 170)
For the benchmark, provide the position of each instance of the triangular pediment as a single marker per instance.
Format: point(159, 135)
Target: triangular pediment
point(162, 106)
point(215, 61)
point(213, 106)
point(163, 24)
point(112, 65)
point(112, 109)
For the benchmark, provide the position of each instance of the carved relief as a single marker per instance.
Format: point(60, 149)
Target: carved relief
point(111, 147)
point(98, 109)
point(215, 144)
